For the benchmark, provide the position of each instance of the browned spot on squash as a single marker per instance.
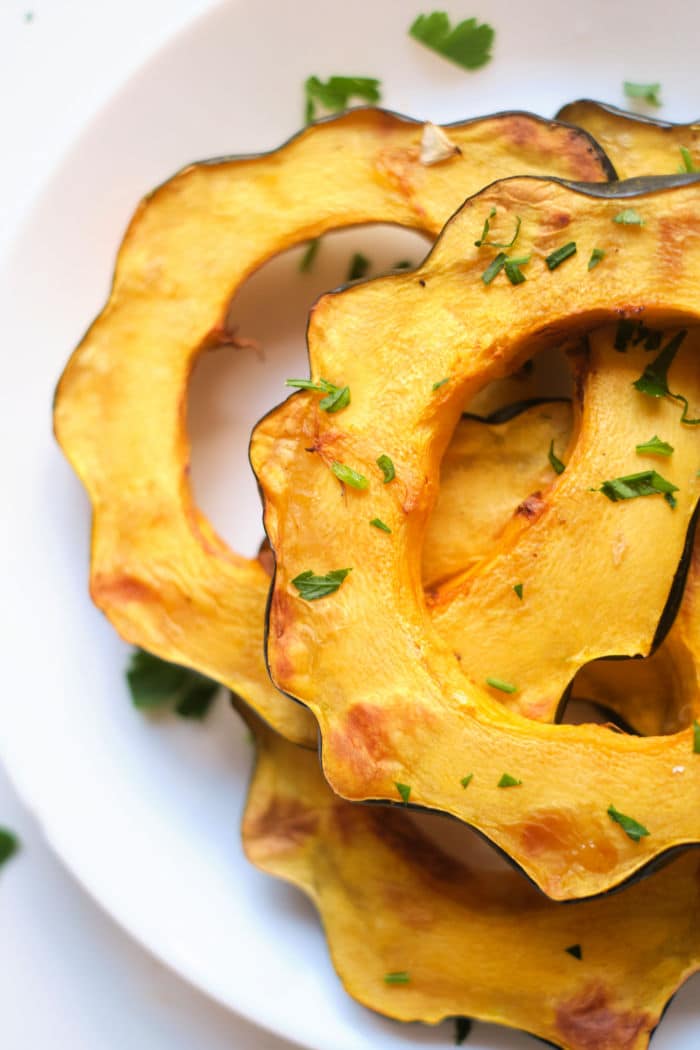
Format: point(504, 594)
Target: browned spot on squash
point(283, 825)
point(363, 743)
point(557, 834)
point(267, 558)
point(522, 131)
point(115, 590)
point(590, 1021)
point(532, 507)
point(672, 242)
point(556, 220)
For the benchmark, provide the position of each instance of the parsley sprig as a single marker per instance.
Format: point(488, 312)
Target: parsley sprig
point(9, 845)
point(155, 683)
point(337, 397)
point(654, 379)
point(468, 44)
point(336, 93)
point(644, 92)
point(312, 587)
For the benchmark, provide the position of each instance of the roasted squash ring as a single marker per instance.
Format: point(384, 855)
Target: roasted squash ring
point(418, 935)
point(159, 572)
point(392, 703)
point(637, 145)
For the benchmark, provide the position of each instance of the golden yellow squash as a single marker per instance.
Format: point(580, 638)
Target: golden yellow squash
point(392, 702)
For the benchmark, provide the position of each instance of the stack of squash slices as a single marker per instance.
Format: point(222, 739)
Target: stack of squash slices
point(503, 584)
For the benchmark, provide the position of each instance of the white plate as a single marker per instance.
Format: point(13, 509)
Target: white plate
point(144, 812)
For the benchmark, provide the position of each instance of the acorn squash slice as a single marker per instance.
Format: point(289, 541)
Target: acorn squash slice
point(420, 935)
point(637, 145)
point(159, 572)
point(393, 705)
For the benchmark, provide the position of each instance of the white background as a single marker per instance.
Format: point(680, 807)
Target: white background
point(70, 977)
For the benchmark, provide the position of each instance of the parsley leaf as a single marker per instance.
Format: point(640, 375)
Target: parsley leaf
point(654, 379)
point(631, 827)
point(507, 781)
point(654, 447)
point(557, 257)
point(646, 92)
point(312, 587)
point(696, 737)
point(335, 94)
point(575, 950)
point(498, 683)
point(645, 483)
point(379, 524)
point(348, 476)
point(687, 165)
point(402, 264)
point(597, 255)
point(463, 1027)
point(154, 683)
point(307, 259)
point(386, 466)
point(337, 397)
point(404, 790)
point(440, 382)
point(466, 781)
point(629, 217)
point(483, 243)
point(468, 44)
point(398, 977)
point(494, 268)
point(518, 588)
point(513, 271)
point(9, 844)
point(359, 267)
point(557, 466)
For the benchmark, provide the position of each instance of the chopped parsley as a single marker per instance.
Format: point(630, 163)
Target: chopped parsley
point(494, 268)
point(687, 166)
point(397, 977)
point(518, 588)
point(636, 332)
point(483, 242)
point(404, 790)
point(696, 737)
point(312, 587)
point(155, 683)
point(575, 950)
point(631, 827)
point(9, 844)
point(644, 92)
point(335, 94)
point(654, 447)
point(402, 264)
point(556, 464)
point(629, 217)
point(309, 256)
point(359, 267)
point(645, 483)
point(348, 476)
point(463, 1027)
point(498, 683)
point(379, 524)
point(441, 382)
point(513, 271)
point(468, 43)
point(623, 333)
point(507, 781)
point(597, 255)
point(337, 397)
point(386, 466)
point(654, 379)
point(466, 781)
point(559, 255)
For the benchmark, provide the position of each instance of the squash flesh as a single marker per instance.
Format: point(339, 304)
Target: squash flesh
point(159, 572)
point(391, 701)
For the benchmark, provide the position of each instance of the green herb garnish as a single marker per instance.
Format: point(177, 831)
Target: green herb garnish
point(402, 264)
point(654, 447)
point(597, 255)
point(646, 92)
point(463, 1027)
point(379, 524)
point(513, 271)
point(483, 242)
point(623, 334)
point(348, 476)
point(575, 950)
point(498, 683)
point(687, 166)
point(507, 781)
point(654, 379)
point(307, 259)
point(153, 683)
point(404, 790)
point(557, 257)
point(557, 466)
point(629, 217)
point(468, 44)
point(632, 828)
point(386, 466)
point(335, 94)
point(312, 587)
point(441, 382)
point(9, 844)
point(359, 267)
point(466, 781)
point(696, 737)
point(645, 483)
point(398, 977)
point(518, 588)
point(337, 397)
point(494, 268)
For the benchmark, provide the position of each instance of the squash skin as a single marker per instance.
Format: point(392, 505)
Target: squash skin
point(159, 572)
point(391, 901)
point(419, 720)
point(637, 145)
